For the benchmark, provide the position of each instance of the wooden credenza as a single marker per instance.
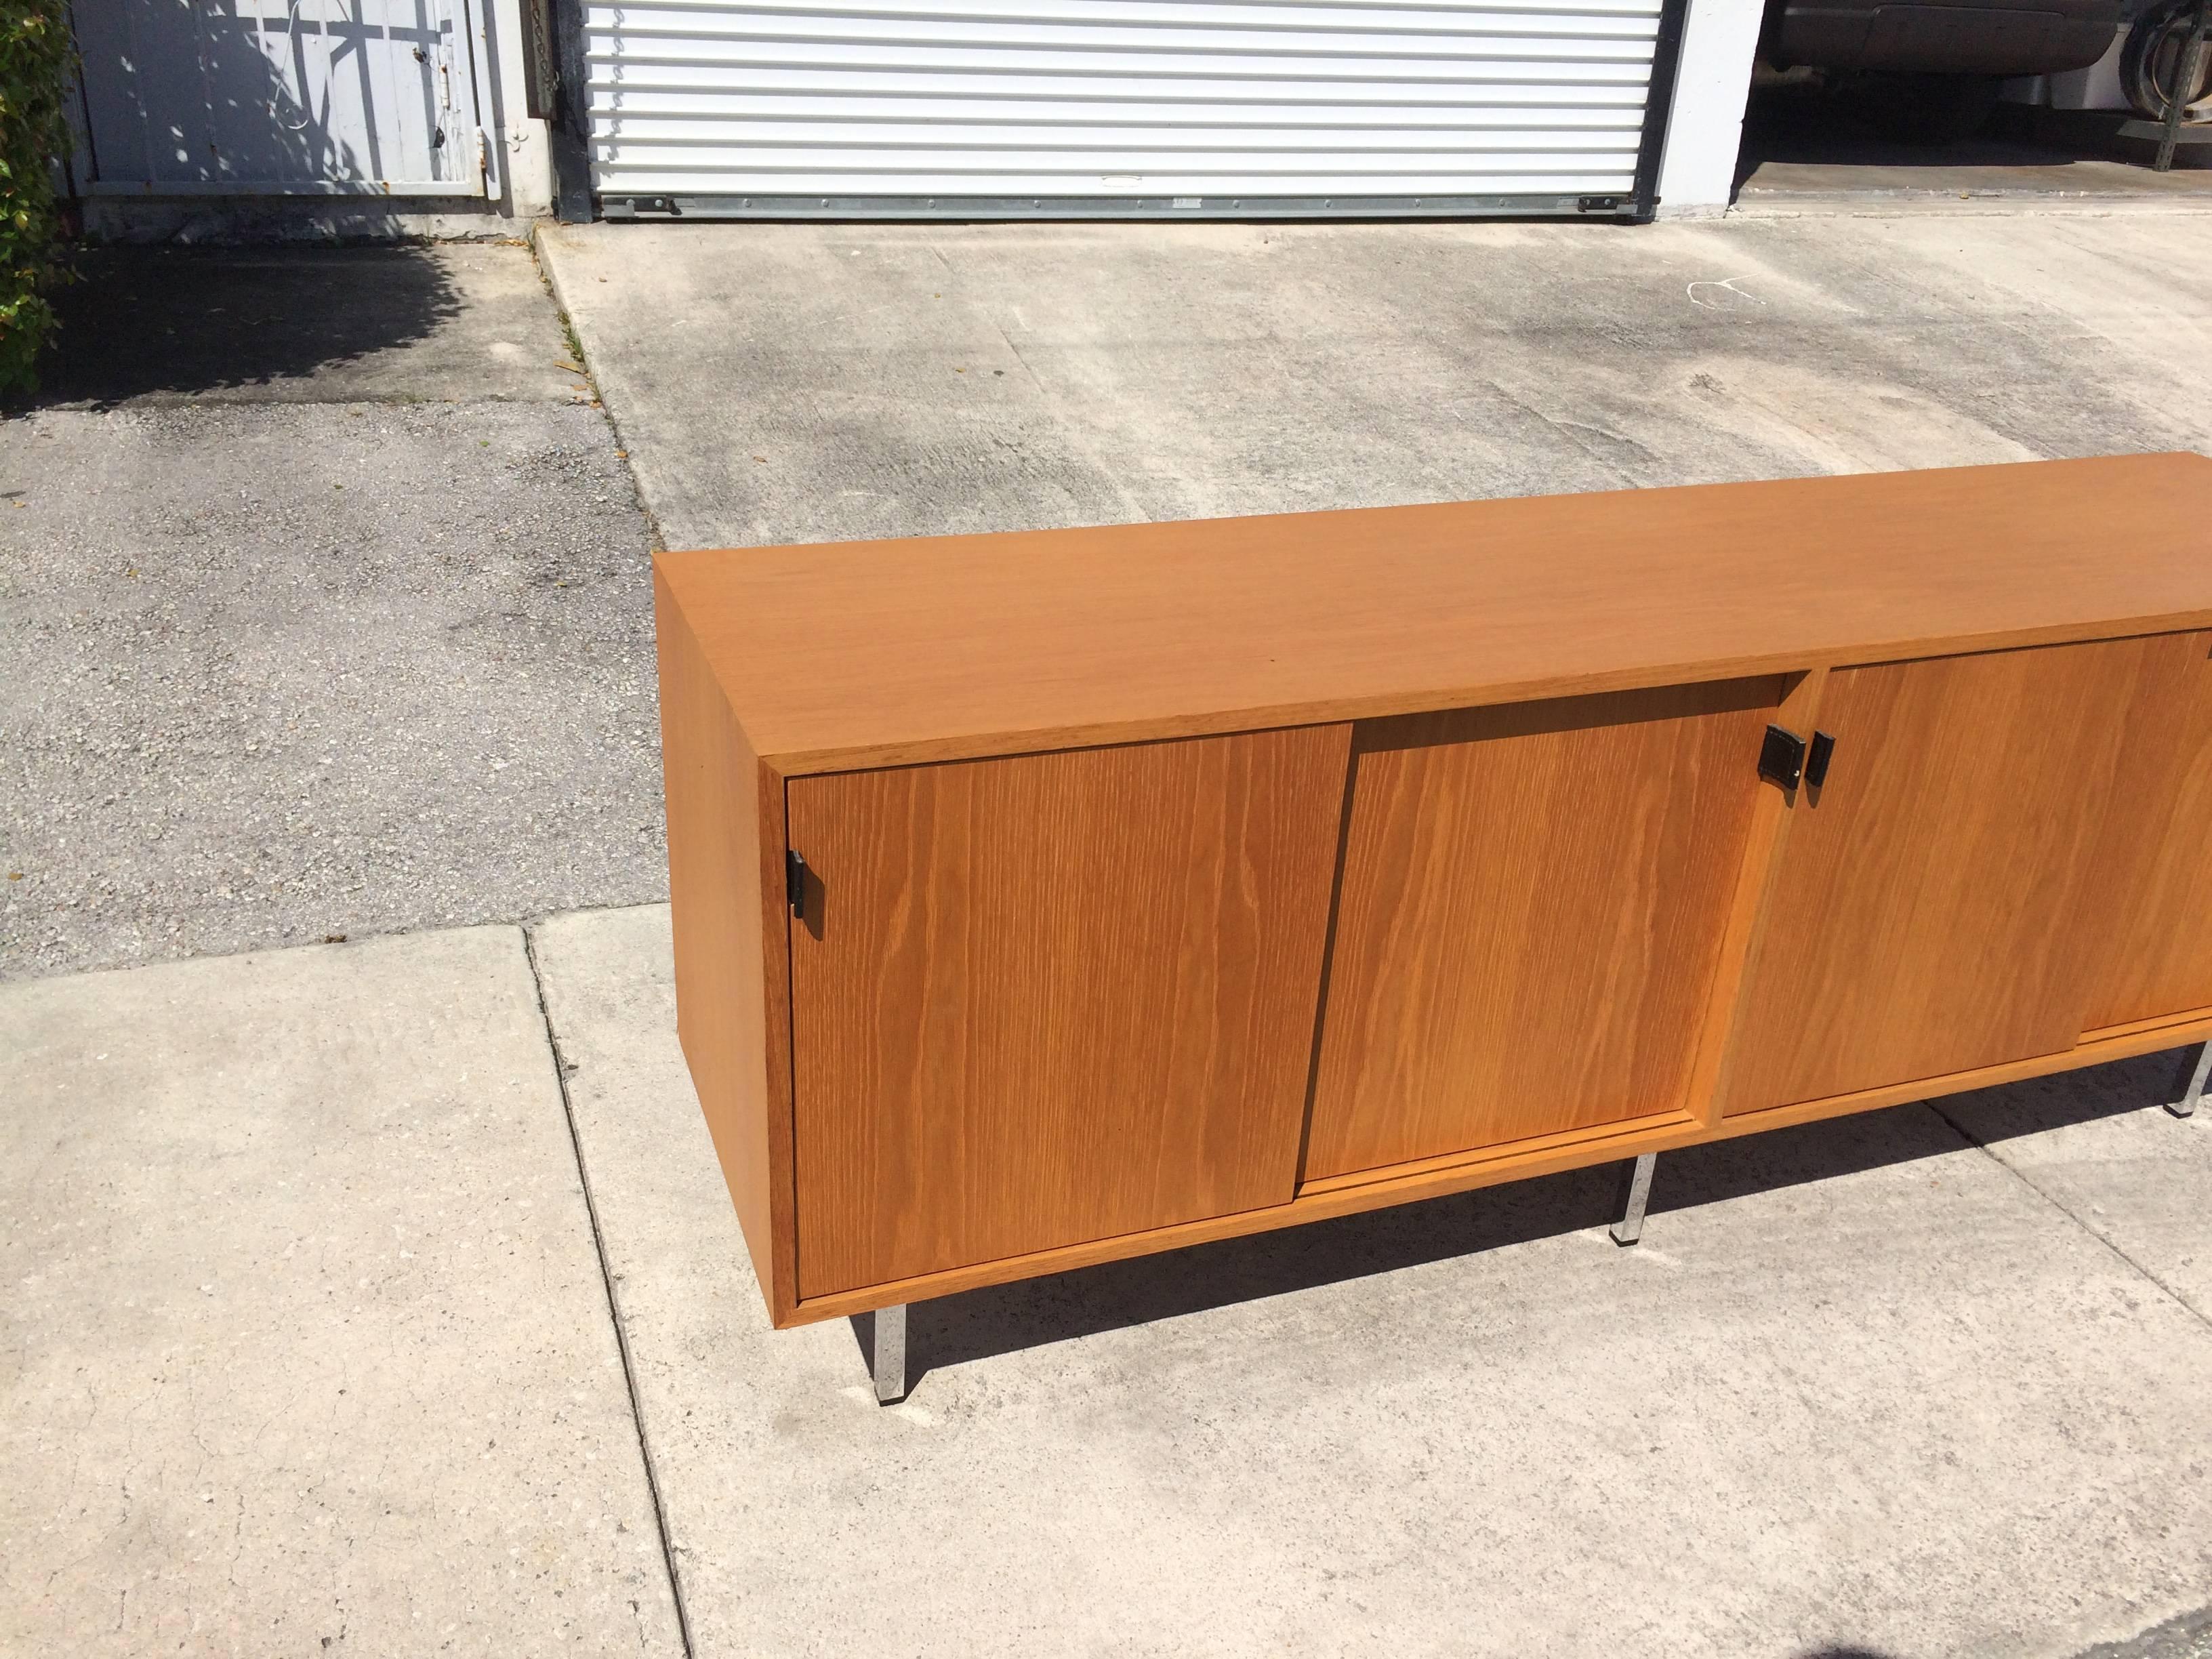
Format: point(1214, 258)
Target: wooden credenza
point(1046, 898)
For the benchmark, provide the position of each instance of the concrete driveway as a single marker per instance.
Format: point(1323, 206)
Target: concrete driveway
point(810, 383)
point(384, 1296)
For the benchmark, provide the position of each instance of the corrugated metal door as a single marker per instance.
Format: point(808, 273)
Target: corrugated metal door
point(283, 97)
point(1117, 107)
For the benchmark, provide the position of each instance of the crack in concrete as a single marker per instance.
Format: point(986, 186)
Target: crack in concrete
point(2021, 1176)
point(608, 1281)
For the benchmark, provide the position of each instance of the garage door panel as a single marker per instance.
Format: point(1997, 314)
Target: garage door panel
point(687, 113)
point(707, 143)
point(1380, 16)
point(1094, 100)
point(642, 79)
point(1521, 65)
point(933, 185)
point(1521, 37)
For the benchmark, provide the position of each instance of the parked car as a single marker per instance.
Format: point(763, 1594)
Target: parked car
point(1931, 69)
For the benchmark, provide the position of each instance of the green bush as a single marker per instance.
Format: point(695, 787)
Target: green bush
point(34, 57)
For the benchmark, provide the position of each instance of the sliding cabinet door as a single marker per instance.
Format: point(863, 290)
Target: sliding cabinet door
point(1929, 914)
point(2154, 882)
point(1534, 899)
point(1055, 998)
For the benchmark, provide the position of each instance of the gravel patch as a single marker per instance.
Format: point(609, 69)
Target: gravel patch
point(273, 673)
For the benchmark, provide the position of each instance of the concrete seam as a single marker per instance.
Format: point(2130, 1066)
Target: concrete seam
point(2021, 1176)
point(614, 1299)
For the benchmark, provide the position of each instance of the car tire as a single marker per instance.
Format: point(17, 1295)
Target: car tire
point(2152, 58)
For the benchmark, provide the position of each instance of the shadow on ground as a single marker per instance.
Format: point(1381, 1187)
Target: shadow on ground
point(143, 322)
point(1842, 127)
point(975, 1325)
point(2189, 1636)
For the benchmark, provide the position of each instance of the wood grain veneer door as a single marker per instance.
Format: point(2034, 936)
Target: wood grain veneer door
point(1928, 914)
point(1533, 905)
point(2154, 880)
point(1053, 998)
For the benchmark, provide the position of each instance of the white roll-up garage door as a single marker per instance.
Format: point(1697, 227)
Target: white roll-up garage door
point(1119, 107)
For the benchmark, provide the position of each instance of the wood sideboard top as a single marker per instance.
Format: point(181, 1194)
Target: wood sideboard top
point(866, 653)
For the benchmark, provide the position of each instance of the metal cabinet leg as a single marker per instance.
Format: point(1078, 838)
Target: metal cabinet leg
point(2192, 1084)
point(1635, 1191)
point(890, 1353)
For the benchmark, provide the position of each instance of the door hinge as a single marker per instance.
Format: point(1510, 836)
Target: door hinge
point(1816, 759)
point(1782, 757)
point(794, 883)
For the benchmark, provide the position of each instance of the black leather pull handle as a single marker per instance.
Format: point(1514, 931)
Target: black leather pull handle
point(1816, 759)
point(1782, 756)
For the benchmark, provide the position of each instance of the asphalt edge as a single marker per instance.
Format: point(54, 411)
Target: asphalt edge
point(2186, 1635)
point(549, 272)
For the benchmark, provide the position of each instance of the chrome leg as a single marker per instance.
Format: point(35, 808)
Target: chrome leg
point(2193, 1090)
point(890, 1353)
point(1635, 1191)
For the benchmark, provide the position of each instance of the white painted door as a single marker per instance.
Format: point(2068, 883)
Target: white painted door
point(282, 97)
point(1138, 105)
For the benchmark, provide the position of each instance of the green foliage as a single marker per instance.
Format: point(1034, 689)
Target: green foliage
point(34, 57)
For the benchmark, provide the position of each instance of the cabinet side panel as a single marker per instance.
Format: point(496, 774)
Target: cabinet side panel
point(716, 857)
point(1053, 998)
point(2154, 881)
point(1534, 907)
